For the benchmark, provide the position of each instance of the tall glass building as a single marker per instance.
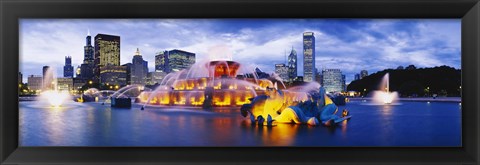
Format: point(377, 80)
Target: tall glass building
point(174, 60)
point(88, 50)
point(107, 52)
point(179, 59)
point(68, 68)
point(282, 71)
point(308, 57)
point(139, 69)
point(161, 61)
point(292, 65)
point(333, 80)
point(86, 68)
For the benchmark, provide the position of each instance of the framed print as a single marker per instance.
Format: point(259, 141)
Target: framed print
point(226, 82)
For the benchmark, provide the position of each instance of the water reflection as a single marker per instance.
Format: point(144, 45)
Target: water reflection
point(92, 124)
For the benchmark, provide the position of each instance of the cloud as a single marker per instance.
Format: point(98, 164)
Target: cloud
point(347, 44)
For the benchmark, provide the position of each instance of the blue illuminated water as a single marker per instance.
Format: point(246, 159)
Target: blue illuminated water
point(93, 124)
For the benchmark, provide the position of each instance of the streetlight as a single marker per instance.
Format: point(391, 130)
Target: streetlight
point(90, 82)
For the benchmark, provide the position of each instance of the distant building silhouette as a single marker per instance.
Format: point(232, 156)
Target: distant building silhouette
point(292, 65)
point(35, 83)
point(85, 73)
point(282, 71)
point(68, 68)
point(363, 74)
point(138, 70)
point(411, 67)
point(357, 77)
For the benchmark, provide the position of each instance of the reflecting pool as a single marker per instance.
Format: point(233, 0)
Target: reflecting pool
point(93, 124)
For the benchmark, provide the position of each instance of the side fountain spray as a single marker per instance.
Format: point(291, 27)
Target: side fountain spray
point(384, 95)
point(50, 91)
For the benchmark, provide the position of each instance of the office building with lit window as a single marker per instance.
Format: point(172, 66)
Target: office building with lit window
point(113, 75)
point(68, 68)
point(35, 83)
point(282, 71)
point(333, 80)
point(174, 60)
point(86, 68)
point(107, 53)
point(155, 77)
point(64, 84)
point(308, 57)
point(161, 61)
point(138, 69)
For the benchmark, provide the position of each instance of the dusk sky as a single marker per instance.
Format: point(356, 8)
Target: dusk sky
point(347, 44)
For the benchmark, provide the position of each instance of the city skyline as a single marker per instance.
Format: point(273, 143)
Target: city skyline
point(349, 45)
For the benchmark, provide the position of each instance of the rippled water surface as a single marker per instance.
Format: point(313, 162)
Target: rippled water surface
point(94, 124)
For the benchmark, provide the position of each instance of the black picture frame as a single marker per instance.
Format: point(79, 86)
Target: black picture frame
point(12, 10)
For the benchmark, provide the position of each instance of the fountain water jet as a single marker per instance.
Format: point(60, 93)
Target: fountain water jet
point(50, 93)
point(212, 83)
point(383, 95)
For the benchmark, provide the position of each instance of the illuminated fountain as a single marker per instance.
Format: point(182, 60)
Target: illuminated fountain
point(212, 83)
point(123, 97)
point(383, 95)
point(94, 95)
point(51, 94)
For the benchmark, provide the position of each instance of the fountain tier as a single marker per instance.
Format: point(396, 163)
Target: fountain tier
point(214, 83)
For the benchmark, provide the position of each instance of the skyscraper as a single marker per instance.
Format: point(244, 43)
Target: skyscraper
point(282, 71)
point(155, 77)
point(48, 79)
point(333, 80)
point(179, 59)
point(173, 60)
point(86, 68)
point(357, 77)
point(161, 61)
point(308, 57)
point(68, 68)
point(363, 74)
point(35, 83)
point(292, 65)
point(20, 78)
point(88, 50)
point(138, 70)
point(107, 53)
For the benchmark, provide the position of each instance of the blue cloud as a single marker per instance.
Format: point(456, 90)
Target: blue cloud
point(347, 44)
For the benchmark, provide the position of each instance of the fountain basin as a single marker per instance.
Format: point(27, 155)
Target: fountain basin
point(121, 102)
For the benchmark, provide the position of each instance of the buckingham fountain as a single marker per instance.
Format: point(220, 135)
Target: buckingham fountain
point(227, 83)
point(218, 83)
point(214, 84)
